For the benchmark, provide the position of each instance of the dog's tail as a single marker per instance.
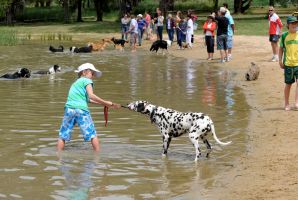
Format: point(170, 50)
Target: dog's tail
point(215, 137)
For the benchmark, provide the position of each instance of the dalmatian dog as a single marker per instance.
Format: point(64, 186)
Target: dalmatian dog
point(172, 123)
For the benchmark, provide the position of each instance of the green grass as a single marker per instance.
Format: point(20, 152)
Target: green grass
point(9, 37)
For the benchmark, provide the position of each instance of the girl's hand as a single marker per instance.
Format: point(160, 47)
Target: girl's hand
point(115, 105)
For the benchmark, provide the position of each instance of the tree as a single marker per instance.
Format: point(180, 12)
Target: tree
point(240, 6)
point(65, 4)
point(98, 4)
point(215, 2)
point(166, 5)
point(79, 16)
point(271, 2)
point(9, 9)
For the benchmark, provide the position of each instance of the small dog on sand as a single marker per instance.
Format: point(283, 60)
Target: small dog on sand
point(252, 73)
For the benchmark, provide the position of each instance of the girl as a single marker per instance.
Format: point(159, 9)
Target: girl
point(209, 27)
point(76, 107)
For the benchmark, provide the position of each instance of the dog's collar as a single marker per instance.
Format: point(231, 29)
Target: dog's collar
point(152, 114)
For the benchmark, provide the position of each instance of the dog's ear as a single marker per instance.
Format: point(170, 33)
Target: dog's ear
point(247, 76)
point(141, 107)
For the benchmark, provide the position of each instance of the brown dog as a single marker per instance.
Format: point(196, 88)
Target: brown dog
point(99, 46)
point(252, 73)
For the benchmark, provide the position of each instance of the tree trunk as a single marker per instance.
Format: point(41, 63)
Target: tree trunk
point(215, 7)
point(79, 17)
point(66, 11)
point(99, 9)
point(271, 2)
point(9, 15)
point(245, 5)
point(166, 5)
point(237, 6)
point(48, 3)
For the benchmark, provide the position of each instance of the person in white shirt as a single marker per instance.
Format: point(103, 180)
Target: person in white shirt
point(133, 30)
point(189, 31)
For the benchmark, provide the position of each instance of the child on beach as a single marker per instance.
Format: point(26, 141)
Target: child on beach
point(288, 50)
point(76, 107)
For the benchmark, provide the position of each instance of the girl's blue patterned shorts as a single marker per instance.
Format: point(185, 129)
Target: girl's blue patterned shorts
point(80, 117)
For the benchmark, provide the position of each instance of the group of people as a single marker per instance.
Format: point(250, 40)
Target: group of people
point(223, 24)
point(136, 26)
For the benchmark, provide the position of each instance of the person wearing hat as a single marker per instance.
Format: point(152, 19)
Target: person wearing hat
point(76, 109)
point(275, 31)
point(209, 29)
point(288, 59)
point(141, 28)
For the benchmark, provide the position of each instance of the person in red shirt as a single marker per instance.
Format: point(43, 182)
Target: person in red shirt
point(275, 27)
point(209, 28)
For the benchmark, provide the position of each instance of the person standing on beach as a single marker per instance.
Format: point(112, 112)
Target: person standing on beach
point(124, 26)
point(231, 30)
point(275, 27)
point(159, 25)
point(76, 109)
point(222, 31)
point(133, 30)
point(189, 31)
point(288, 59)
point(209, 29)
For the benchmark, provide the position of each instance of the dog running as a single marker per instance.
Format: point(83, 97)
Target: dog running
point(160, 44)
point(52, 70)
point(172, 123)
point(22, 73)
point(59, 49)
point(87, 49)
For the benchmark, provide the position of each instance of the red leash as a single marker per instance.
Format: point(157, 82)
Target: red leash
point(106, 112)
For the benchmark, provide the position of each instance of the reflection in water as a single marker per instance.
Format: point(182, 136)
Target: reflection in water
point(78, 179)
point(129, 165)
point(190, 76)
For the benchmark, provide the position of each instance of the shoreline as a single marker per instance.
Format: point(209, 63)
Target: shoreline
point(268, 169)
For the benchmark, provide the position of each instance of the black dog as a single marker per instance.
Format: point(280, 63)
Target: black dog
point(22, 73)
point(160, 44)
point(52, 70)
point(119, 42)
point(87, 49)
point(59, 49)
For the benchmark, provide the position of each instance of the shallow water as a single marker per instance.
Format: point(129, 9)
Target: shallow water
point(129, 165)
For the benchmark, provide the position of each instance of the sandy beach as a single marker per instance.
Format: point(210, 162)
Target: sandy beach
point(268, 169)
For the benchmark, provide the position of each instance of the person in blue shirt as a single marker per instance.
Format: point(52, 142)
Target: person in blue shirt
point(142, 24)
point(76, 109)
point(231, 29)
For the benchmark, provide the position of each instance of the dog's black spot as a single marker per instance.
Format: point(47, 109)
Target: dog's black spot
point(141, 107)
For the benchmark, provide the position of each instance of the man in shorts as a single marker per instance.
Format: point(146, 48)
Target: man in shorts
point(231, 29)
point(275, 27)
point(133, 30)
point(222, 31)
point(288, 59)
